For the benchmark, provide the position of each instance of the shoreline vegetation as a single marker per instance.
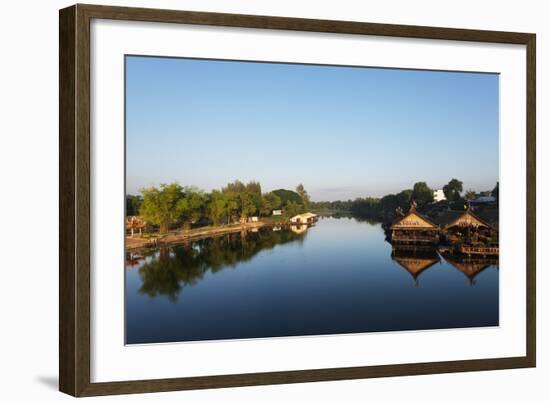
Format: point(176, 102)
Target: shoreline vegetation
point(193, 234)
point(172, 213)
point(174, 237)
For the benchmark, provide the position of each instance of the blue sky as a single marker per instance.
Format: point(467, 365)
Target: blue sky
point(342, 132)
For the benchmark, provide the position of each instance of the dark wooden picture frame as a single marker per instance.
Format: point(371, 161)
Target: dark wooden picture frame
point(74, 203)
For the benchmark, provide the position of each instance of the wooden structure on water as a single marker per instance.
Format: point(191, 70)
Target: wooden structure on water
point(460, 232)
point(468, 234)
point(413, 230)
point(479, 250)
point(304, 218)
point(463, 223)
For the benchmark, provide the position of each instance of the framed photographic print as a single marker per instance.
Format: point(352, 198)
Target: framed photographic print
point(251, 200)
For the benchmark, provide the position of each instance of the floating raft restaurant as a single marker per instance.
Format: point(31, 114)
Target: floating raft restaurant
point(414, 229)
point(462, 232)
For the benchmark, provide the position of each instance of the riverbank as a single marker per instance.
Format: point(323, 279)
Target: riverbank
point(135, 243)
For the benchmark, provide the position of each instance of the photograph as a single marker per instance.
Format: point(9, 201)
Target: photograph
point(273, 199)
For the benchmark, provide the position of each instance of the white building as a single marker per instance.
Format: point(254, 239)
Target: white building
point(277, 212)
point(439, 195)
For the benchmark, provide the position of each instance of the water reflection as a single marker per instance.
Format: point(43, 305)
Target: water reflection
point(167, 270)
point(338, 276)
point(471, 267)
point(415, 262)
point(418, 260)
point(299, 229)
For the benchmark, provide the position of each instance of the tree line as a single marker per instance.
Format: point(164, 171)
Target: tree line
point(173, 204)
point(384, 208)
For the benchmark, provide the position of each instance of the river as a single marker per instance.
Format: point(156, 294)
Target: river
point(339, 276)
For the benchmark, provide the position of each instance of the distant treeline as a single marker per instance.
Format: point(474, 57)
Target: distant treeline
point(173, 204)
point(384, 208)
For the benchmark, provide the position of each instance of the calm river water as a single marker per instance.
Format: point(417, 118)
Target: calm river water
point(338, 276)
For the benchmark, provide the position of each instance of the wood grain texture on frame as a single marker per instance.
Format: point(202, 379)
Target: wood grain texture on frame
point(74, 199)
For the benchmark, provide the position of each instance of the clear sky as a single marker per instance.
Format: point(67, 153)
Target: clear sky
point(342, 132)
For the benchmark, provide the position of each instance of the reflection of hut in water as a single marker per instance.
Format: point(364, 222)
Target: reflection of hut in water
point(415, 262)
point(470, 267)
point(299, 229)
point(414, 230)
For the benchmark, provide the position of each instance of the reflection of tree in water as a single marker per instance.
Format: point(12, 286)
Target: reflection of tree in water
point(160, 275)
point(371, 221)
point(170, 269)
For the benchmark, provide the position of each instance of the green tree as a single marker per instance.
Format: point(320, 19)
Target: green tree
point(258, 202)
point(287, 196)
point(270, 201)
point(217, 207)
point(254, 187)
point(163, 206)
point(366, 207)
point(293, 208)
point(192, 206)
point(232, 207)
point(404, 197)
point(246, 205)
point(422, 194)
point(389, 203)
point(133, 203)
point(453, 189)
point(244, 200)
point(303, 194)
point(235, 186)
